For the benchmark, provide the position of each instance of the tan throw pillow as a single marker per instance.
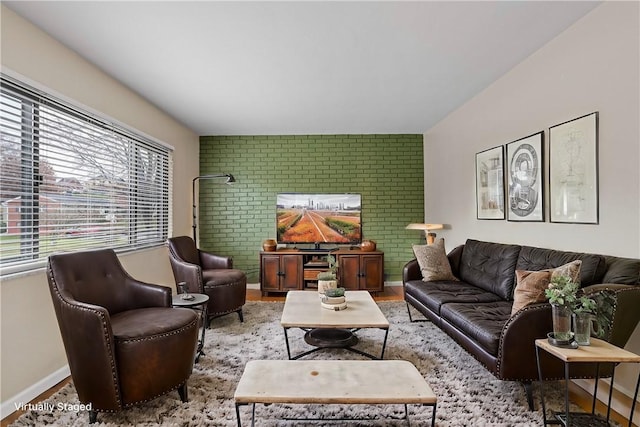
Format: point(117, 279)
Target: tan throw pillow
point(433, 261)
point(530, 286)
point(571, 269)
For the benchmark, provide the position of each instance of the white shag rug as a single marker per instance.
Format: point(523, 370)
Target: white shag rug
point(468, 395)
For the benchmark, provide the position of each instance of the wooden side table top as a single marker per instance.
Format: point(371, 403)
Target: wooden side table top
point(333, 381)
point(302, 309)
point(198, 299)
point(598, 351)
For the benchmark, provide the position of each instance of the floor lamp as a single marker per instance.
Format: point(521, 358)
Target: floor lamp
point(229, 179)
point(428, 235)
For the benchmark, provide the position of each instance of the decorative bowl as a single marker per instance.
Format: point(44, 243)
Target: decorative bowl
point(269, 245)
point(368, 246)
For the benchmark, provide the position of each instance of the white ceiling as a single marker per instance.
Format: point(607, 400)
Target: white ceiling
point(228, 68)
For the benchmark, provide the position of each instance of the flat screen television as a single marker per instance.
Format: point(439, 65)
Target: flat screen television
point(318, 218)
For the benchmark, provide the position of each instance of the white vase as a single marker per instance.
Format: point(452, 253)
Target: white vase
point(323, 285)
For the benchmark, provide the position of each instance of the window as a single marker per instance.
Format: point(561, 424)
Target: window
point(72, 181)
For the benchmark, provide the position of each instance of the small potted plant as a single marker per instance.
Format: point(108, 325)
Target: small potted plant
point(583, 313)
point(567, 302)
point(562, 294)
point(327, 279)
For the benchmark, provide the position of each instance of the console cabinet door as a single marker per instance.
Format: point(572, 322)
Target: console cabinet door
point(293, 277)
point(349, 272)
point(270, 273)
point(371, 267)
point(360, 271)
point(280, 272)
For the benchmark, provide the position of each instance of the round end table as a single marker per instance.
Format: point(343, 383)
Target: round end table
point(197, 300)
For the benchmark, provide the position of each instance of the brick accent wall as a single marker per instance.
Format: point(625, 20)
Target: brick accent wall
point(387, 170)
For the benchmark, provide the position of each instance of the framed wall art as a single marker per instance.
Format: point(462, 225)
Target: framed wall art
point(525, 198)
point(490, 183)
point(573, 170)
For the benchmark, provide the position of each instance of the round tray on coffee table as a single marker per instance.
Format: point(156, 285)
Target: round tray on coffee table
point(330, 338)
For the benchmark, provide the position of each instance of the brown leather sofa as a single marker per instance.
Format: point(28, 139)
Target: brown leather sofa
point(476, 311)
point(124, 342)
point(211, 274)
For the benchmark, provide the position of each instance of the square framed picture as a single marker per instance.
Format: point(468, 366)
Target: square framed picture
point(490, 183)
point(525, 199)
point(573, 171)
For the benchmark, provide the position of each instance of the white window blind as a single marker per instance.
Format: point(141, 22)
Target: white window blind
point(72, 181)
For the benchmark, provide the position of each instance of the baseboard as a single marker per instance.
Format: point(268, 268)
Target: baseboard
point(27, 395)
point(620, 402)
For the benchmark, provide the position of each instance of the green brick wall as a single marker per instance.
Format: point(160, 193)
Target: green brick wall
point(387, 170)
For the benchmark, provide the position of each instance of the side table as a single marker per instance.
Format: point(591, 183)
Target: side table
point(598, 352)
point(198, 300)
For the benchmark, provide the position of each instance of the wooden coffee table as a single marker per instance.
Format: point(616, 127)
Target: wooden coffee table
point(332, 329)
point(346, 382)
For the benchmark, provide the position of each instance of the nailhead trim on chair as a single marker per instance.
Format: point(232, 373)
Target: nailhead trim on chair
point(128, 405)
point(162, 335)
point(111, 359)
point(199, 269)
point(105, 337)
point(211, 316)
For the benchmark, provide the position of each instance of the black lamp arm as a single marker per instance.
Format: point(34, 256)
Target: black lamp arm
point(229, 180)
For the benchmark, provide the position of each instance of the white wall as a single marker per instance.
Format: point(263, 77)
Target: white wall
point(592, 66)
point(31, 348)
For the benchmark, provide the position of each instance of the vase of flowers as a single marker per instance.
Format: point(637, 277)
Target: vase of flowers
point(563, 294)
point(561, 316)
point(327, 279)
point(583, 314)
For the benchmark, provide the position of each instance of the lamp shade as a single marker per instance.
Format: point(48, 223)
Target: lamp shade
point(426, 227)
point(428, 235)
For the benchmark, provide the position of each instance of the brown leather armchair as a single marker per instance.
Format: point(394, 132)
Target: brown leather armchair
point(211, 274)
point(124, 342)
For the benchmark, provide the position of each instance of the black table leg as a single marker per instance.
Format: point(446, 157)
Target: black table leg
point(238, 415)
point(253, 415)
point(595, 389)
point(544, 409)
point(384, 343)
point(433, 416)
point(613, 375)
point(286, 339)
point(633, 405)
point(566, 393)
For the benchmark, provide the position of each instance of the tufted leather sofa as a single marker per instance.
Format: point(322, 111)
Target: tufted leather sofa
point(124, 342)
point(476, 311)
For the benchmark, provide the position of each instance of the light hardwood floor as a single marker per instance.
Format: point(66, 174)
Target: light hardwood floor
point(391, 293)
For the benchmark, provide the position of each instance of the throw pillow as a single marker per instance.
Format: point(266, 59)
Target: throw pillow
point(571, 269)
point(530, 286)
point(433, 261)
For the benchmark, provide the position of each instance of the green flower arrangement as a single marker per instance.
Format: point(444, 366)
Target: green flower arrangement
point(330, 274)
point(563, 291)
